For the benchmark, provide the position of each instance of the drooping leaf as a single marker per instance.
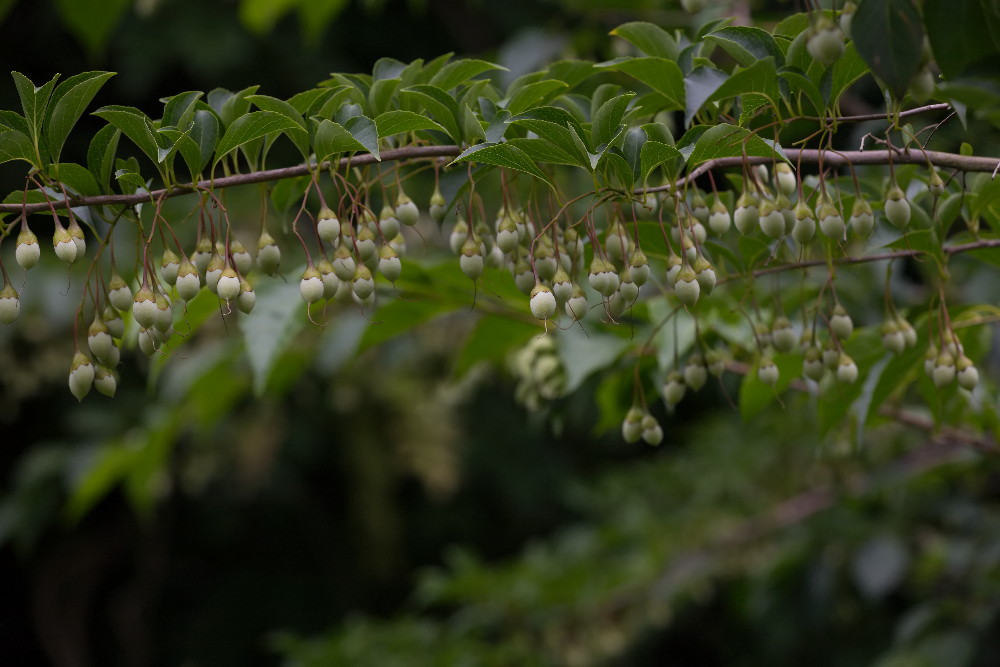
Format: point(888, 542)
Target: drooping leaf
point(491, 340)
point(300, 136)
point(608, 118)
point(503, 155)
point(278, 315)
point(400, 316)
point(848, 69)
point(92, 21)
point(961, 34)
point(333, 139)
point(660, 74)
point(654, 154)
point(34, 102)
point(396, 122)
point(69, 101)
point(75, 177)
point(363, 129)
point(205, 133)
point(252, 126)
point(101, 154)
point(888, 35)
point(699, 86)
point(747, 45)
point(534, 94)
point(761, 78)
point(440, 104)
point(541, 150)
point(732, 141)
point(651, 39)
point(135, 125)
point(460, 71)
point(16, 145)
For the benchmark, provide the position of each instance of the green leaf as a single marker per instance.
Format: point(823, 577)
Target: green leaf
point(440, 104)
point(608, 118)
point(632, 143)
point(534, 94)
point(699, 86)
point(888, 35)
point(332, 139)
point(491, 340)
point(16, 145)
point(663, 76)
point(34, 102)
point(300, 135)
point(460, 71)
point(924, 240)
point(749, 104)
point(179, 109)
point(380, 95)
point(648, 38)
point(278, 315)
point(229, 105)
point(541, 150)
point(617, 170)
point(655, 153)
point(560, 136)
point(92, 21)
point(363, 129)
point(316, 16)
point(761, 79)
point(397, 122)
point(732, 141)
point(101, 154)
point(962, 34)
point(502, 155)
point(69, 101)
point(747, 45)
point(135, 125)
point(75, 177)
point(398, 317)
point(472, 128)
point(571, 72)
point(247, 128)
point(755, 395)
point(849, 68)
point(205, 133)
point(800, 83)
point(259, 16)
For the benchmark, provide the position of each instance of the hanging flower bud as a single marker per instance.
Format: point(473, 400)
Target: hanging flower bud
point(747, 215)
point(542, 302)
point(144, 308)
point(813, 366)
point(388, 222)
point(632, 426)
point(406, 211)
point(214, 272)
point(99, 339)
point(311, 285)
point(247, 298)
point(562, 286)
point(76, 233)
point(897, 209)
point(847, 370)
point(327, 225)
point(782, 335)
point(784, 178)
point(471, 259)
point(652, 433)
point(81, 375)
point(10, 304)
point(831, 222)
point(188, 281)
point(968, 376)
point(695, 373)
point(28, 252)
point(438, 206)
point(228, 287)
point(524, 277)
point(203, 253)
point(840, 323)
point(268, 254)
point(602, 277)
point(363, 285)
point(105, 381)
point(767, 371)
point(170, 264)
point(64, 245)
point(674, 389)
point(687, 288)
point(389, 264)
point(862, 220)
point(719, 220)
point(892, 337)
point(114, 322)
point(944, 370)
point(242, 261)
point(576, 306)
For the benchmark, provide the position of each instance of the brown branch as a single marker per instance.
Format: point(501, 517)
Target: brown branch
point(832, 159)
point(406, 153)
point(843, 159)
point(942, 106)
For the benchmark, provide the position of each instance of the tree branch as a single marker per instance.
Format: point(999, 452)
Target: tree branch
point(808, 155)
